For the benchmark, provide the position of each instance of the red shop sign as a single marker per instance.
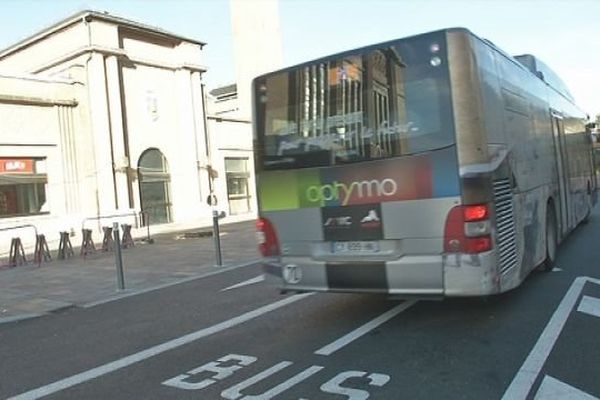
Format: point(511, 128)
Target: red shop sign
point(16, 165)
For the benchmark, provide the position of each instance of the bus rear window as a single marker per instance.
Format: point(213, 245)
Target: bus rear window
point(384, 101)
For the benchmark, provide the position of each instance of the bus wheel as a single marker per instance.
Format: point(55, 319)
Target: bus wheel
point(551, 240)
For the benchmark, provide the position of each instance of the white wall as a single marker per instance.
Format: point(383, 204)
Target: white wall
point(36, 119)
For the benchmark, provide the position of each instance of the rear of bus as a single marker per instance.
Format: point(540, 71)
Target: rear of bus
point(358, 176)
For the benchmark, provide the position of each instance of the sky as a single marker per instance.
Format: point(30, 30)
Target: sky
point(565, 34)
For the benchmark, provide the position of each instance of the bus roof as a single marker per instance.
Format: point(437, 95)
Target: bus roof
point(543, 72)
point(526, 61)
point(363, 48)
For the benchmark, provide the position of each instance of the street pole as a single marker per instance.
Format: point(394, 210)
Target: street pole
point(215, 215)
point(118, 257)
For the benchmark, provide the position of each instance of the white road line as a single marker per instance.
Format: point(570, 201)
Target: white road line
point(525, 378)
point(590, 305)
point(355, 334)
point(153, 351)
point(252, 281)
point(552, 389)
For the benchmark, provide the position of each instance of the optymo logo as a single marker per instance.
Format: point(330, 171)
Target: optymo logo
point(342, 192)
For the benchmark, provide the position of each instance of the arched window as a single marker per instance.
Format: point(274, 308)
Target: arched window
point(155, 190)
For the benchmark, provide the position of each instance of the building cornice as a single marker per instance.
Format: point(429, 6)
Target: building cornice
point(37, 101)
point(76, 53)
point(88, 16)
point(37, 78)
point(119, 53)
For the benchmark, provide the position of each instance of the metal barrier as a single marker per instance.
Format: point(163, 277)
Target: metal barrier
point(65, 250)
point(101, 217)
point(108, 244)
point(144, 217)
point(17, 253)
point(87, 244)
point(141, 218)
point(127, 240)
point(41, 252)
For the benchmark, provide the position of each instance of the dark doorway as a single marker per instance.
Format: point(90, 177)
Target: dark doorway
point(155, 190)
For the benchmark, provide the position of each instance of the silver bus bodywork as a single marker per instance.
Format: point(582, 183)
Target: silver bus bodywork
point(520, 146)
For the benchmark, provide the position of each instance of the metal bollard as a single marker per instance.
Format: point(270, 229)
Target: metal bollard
point(215, 214)
point(118, 257)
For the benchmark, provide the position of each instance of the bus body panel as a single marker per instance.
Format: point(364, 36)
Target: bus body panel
point(517, 146)
point(408, 258)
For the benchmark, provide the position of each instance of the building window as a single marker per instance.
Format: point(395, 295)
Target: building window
point(238, 193)
point(23, 184)
point(155, 187)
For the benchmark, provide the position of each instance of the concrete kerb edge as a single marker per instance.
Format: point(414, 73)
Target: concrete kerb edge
point(126, 293)
point(21, 317)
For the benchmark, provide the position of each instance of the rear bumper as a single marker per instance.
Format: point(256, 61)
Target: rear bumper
point(451, 275)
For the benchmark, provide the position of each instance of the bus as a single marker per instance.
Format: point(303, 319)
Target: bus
point(435, 165)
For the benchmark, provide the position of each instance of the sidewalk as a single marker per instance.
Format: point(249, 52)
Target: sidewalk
point(29, 290)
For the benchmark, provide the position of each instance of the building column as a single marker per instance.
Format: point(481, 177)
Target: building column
point(185, 172)
point(100, 127)
point(69, 159)
point(119, 147)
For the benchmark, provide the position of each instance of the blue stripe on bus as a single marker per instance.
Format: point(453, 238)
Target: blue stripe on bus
point(445, 173)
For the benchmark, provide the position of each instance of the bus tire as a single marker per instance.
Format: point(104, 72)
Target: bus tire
point(551, 239)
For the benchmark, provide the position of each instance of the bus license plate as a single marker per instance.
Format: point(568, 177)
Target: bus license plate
point(355, 247)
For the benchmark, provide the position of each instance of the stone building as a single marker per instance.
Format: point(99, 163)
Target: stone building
point(103, 116)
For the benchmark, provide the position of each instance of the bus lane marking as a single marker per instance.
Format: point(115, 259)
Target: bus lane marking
point(223, 368)
point(364, 329)
point(525, 378)
point(551, 389)
point(590, 305)
point(153, 351)
point(252, 281)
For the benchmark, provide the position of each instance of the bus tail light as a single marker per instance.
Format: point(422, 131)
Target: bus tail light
point(468, 229)
point(477, 212)
point(268, 245)
point(478, 245)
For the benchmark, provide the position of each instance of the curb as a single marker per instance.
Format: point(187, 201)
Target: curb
point(127, 293)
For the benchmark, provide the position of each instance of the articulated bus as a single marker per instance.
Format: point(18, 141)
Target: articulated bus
point(432, 166)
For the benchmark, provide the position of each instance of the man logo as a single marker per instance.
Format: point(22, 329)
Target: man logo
point(371, 220)
point(371, 217)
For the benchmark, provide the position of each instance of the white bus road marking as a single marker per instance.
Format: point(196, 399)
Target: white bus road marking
point(590, 305)
point(527, 375)
point(553, 389)
point(366, 328)
point(223, 369)
point(252, 281)
point(153, 351)
point(235, 392)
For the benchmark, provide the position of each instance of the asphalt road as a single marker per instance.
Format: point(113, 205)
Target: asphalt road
point(198, 341)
